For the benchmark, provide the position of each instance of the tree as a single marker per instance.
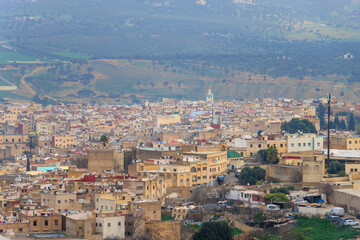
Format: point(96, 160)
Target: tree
point(337, 122)
point(335, 167)
point(262, 155)
point(342, 125)
point(251, 175)
point(272, 155)
point(259, 218)
point(351, 124)
point(296, 125)
point(105, 140)
point(214, 231)
point(276, 197)
point(321, 115)
point(31, 143)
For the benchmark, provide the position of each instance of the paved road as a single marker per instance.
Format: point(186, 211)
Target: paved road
point(231, 179)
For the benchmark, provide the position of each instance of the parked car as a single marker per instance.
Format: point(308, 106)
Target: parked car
point(350, 223)
point(272, 207)
point(334, 218)
point(250, 223)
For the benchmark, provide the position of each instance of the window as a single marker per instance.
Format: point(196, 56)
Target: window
point(350, 142)
point(304, 144)
point(56, 222)
point(59, 201)
point(292, 145)
point(100, 225)
point(318, 144)
point(281, 145)
point(299, 144)
point(119, 223)
point(46, 223)
point(204, 168)
point(96, 224)
point(351, 170)
point(259, 146)
point(109, 224)
point(309, 144)
point(34, 223)
point(20, 229)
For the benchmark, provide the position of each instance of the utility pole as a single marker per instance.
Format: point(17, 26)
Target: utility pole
point(328, 138)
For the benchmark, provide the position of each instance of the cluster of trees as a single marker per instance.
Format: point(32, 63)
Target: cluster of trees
point(214, 231)
point(251, 175)
point(277, 197)
point(337, 123)
point(284, 190)
point(270, 155)
point(336, 167)
point(296, 125)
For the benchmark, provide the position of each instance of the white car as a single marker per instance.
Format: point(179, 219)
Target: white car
point(350, 222)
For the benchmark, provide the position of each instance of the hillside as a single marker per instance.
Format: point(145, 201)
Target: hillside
point(131, 80)
point(180, 48)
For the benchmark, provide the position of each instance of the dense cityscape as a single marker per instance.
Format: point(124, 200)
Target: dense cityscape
point(173, 169)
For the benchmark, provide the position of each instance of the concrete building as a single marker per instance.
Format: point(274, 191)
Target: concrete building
point(345, 142)
point(304, 142)
point(59, 201)
point(112, 227)
point(109, 160)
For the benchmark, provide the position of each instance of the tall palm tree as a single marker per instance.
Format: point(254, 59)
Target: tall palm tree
point(31, 142)
point(105, 140)
point(272, 154)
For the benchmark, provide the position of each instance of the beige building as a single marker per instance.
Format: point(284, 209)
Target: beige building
point(313, 168)
point(80, 225)
point(64, 141)
point(345, 143)
point(150, 208)
point(105, 160)
point(61, 202)
point(253, 146)
point(168, 119)
point(110, 227)
point(112, 202)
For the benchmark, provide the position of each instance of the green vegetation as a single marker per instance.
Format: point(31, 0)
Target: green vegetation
point(335, 167)
point(167, 218)
point(259, 218)
point(193, 227)
point(284, 190)
point(71, 55)
point(296, 125)
point(251, 175)
point(214, 231)
point(277, 197)
point(270, 155)
point(8, 57)
point(323, 229)
point(235, 231)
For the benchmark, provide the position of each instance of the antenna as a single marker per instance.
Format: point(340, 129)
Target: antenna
point(328, 138)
